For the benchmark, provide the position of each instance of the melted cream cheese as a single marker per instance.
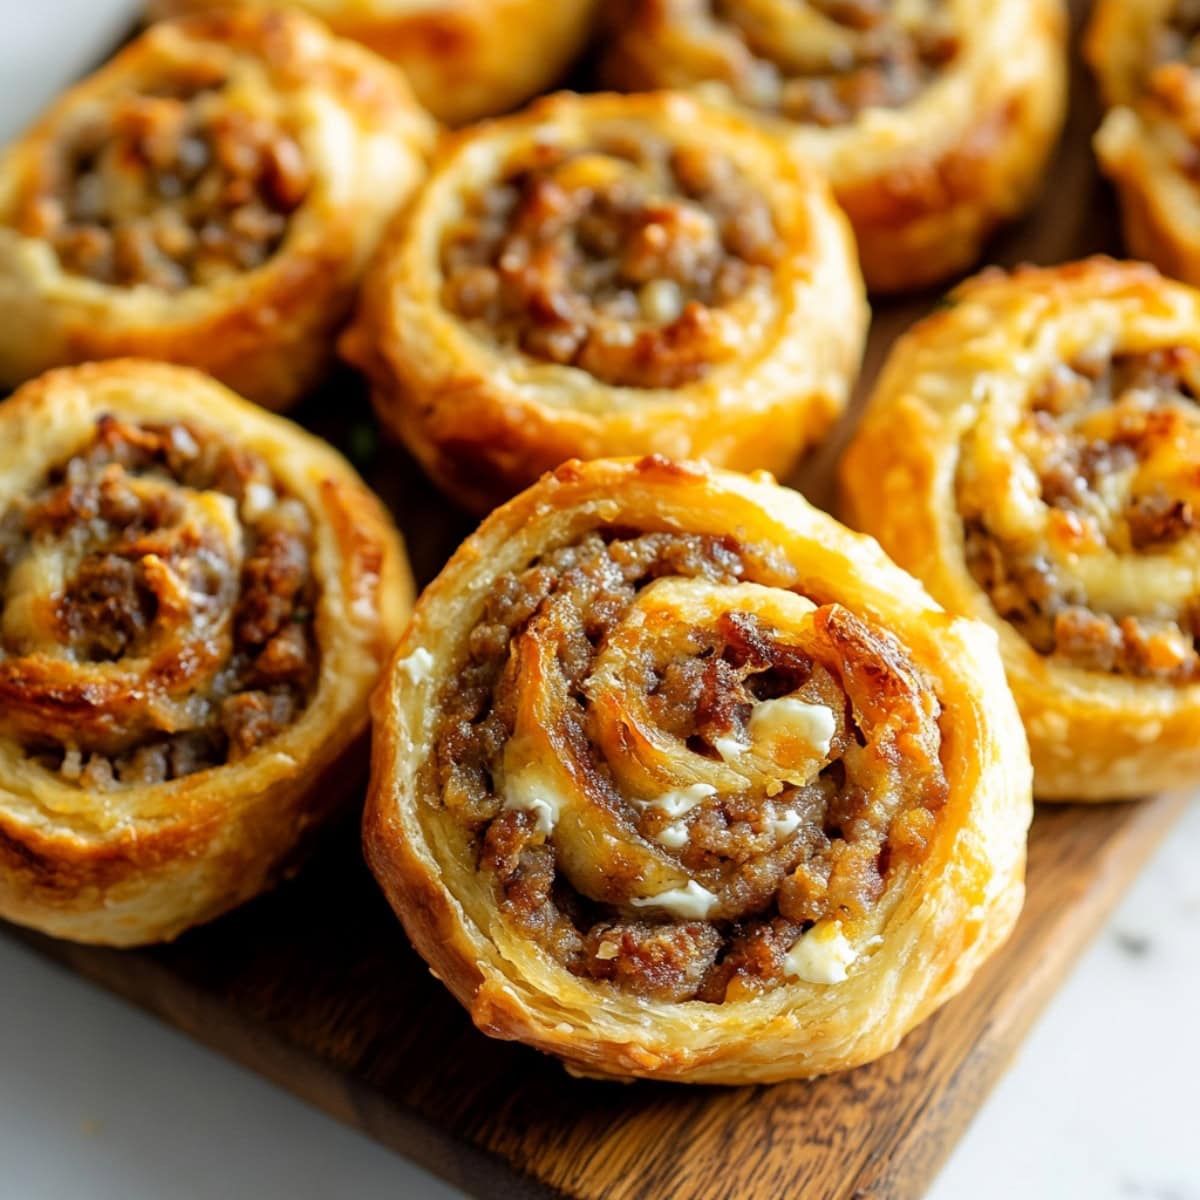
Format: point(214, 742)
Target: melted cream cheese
point(781, 825)
point(418, 666)
point(821, 955)
point(257, 502)
point(691, 902)
point(532, 791)
point(673, 836)
point(678, 803)
point(729, 748)
point(790, 717)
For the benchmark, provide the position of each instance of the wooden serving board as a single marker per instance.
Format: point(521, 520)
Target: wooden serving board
point(316, 987)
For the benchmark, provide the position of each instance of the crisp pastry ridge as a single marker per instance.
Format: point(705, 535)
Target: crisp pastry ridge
point(1143, 53)
point(1029, 453)
point(934, 120)
point(465, 59)
point(675, 777)
point(604, 275)
point(196, 598)
point(210, 196)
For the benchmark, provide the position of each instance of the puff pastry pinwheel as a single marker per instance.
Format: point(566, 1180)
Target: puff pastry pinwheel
point(933, 118)
point(209, 197)
point(1032, 453)
point(1144, 53)
point(196, 598)
point(465, 59)
point(605, 275)
point(676, 777)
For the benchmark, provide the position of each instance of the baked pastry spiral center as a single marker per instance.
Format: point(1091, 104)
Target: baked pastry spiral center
point(680, 776)
point(156, 598)
point(177, 184)
point(825, 61)
point(1080, 513)
point(623, 259)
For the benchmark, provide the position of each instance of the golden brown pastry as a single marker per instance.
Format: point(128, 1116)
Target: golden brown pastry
point(605, 275)
point(1144, 53)
point(465, 59)
point(934, 119)
point(1032, 453)
point(209, 197)
point(676, 777)
point(195, 600)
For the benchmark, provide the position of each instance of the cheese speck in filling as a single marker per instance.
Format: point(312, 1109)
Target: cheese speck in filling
point(781, 825)
point(418, 666)
point(821, 955)
point(790, 718)
point(529, 790)
point(729, 748)
point(673, 836)
point(692, 902)
point(678, 803)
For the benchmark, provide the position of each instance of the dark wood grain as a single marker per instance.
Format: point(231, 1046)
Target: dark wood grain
point(316, 987)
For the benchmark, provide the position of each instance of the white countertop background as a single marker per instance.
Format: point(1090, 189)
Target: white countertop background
point(99, 1101)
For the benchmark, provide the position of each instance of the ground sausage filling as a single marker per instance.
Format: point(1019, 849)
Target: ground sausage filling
point(176, 187)
point(822, 62)
point(619, 259)
point(822, 741)
point(1113, 442)
point(156, 604)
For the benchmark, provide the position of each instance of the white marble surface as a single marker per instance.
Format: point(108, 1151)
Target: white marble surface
point(99, 1101)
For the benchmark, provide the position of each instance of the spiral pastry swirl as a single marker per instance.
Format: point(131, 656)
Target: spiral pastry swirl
point(610, 275)
point(932, 118)
point(672, 779)
point(1144, 55)
point(465, 59)
point(173, 675)
point(208, 197)
point(1030, 454)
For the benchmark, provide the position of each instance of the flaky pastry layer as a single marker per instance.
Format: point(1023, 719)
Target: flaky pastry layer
point(934, 120)
point(605, 275)
point(465, 59)
point(195, 600)
point(1029, 453)
point(209, 197)
point(1142, 53)
point(675, 777)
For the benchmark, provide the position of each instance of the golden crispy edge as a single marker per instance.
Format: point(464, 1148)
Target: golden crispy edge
point(465, 60)
point(269, 333)
point(220, 836)
point(949, 915)
point(1092, 738)
point(484, 424)
point(925, 185)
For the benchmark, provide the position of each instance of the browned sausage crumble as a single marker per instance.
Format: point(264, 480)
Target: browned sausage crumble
point(776, 862)
point(888, 62)
point(617, 259)
point(821, 62)
point(134, 579)
point(172, 187)
point(1096, 424)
